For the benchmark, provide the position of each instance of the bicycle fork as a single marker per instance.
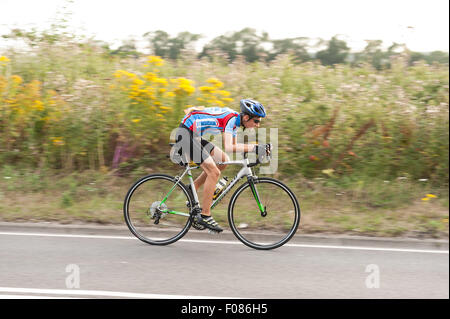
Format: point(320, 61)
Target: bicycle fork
point(262, 208)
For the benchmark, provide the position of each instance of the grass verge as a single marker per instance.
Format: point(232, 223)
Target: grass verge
point(378, 208)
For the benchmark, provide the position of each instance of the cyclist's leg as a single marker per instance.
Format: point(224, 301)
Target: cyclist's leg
point(219, 156)
point(200, 152)
point(208, 165)
point(212, 176)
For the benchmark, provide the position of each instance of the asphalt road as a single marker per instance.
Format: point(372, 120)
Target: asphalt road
point(92, 264)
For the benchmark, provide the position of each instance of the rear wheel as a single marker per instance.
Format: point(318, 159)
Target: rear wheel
point(275, 224)
point(152, 218)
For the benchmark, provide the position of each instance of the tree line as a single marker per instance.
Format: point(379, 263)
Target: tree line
point(252, 46)
point(258, 46)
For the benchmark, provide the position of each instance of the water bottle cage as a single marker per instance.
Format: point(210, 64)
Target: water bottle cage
point(220, 187)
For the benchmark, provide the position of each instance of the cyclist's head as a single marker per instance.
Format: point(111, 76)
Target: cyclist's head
point(252, 108)
point(251, 113)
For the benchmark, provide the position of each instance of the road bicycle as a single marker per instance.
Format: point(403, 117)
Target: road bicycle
point(263, 213)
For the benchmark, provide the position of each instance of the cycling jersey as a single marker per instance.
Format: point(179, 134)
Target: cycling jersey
point(212, 120)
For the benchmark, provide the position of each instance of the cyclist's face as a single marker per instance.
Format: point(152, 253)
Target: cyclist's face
point(251, 122)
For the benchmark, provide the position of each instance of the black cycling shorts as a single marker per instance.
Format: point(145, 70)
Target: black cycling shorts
point(191, 145)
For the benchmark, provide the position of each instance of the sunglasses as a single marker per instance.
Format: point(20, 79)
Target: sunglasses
point(256, 121)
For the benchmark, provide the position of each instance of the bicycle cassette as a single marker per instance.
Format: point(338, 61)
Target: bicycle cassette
point(156, 208)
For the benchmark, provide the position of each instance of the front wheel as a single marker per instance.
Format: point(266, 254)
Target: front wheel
point(269, 223)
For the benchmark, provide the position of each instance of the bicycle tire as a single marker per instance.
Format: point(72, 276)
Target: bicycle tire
point(246, 237)
point(135, 230)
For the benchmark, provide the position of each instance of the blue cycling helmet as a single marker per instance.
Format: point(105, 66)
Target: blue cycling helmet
point(252, 108)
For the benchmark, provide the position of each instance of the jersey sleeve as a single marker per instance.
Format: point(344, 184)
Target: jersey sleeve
point(231, 126)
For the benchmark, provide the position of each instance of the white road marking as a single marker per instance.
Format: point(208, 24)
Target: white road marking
point(67, 235)
point(99, 293)
point(233, 242)
point(32, 297)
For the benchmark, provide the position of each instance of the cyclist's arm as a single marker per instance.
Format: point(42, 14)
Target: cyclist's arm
point(230, 145)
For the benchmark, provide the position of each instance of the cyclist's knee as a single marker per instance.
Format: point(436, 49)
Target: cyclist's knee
point(214, 172)
point(210, 168)
point(225, 158)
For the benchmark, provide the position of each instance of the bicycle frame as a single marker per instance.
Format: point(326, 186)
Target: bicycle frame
point(245, 171)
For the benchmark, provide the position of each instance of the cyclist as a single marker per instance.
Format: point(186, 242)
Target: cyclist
point(189, 142)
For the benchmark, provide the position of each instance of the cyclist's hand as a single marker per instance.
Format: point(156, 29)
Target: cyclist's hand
point(263, 149)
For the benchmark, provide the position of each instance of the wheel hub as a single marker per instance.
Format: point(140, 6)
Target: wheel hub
point(264, 213)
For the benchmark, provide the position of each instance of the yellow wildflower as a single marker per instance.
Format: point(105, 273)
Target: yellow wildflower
point(3, 83)
point(135, 120)
point(184, 81)
point(431, 196)
point(425, 199)
point(149, 89)
point(38, 105)
point(161, 81)
point(155, 60)
point(138, 81)
point(184, 86)
point(120, 73)
point(16, 79)
point(4, 60)
point(150, 76)
point(206, 89)
point(223, 93)
point(58, 141)
point(117, 74)
point(169, 94)
point(215, 82)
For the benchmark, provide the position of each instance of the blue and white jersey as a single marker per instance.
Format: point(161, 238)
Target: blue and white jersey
point(212, 120)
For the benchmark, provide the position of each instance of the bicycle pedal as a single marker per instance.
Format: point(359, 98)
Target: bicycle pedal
point(198, 226)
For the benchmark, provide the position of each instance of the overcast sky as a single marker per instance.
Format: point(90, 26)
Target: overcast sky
point(422, 24)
